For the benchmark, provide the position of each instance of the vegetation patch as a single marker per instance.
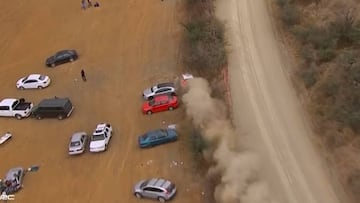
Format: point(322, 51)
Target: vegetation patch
point(328, 41)
point(205, 44)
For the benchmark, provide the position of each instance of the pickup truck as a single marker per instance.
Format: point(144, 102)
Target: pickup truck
point(17, 108)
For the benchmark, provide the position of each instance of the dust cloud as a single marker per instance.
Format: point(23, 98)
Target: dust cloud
point(237, 169)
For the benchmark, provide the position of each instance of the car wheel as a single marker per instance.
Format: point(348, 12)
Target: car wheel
point(18, 116)
point(71, 59)
point(53, 65)
point(40, 87)
point(138, 195)
point(148, 112)
point(173, 94)
point(22, 88)
point(106, 146)
point(171, 108)
point(60, 117)
point(38, 117)
point(151, 97)
point(161, 199)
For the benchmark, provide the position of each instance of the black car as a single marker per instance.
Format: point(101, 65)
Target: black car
point(53, 108)
point(61, 57)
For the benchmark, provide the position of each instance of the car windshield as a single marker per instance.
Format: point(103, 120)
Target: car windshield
point(75, 144)
point(144, 183)
point(152, 102)
point(97, 137)
point(42, 77)
point(99, 131)
point(25, 78)
point(152, 89)
point(163, 133)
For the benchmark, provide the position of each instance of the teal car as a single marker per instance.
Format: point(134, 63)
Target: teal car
point(157, 137)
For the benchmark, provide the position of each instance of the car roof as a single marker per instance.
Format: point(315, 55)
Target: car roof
point(10, 174)
point(7, 102)
point(33, 76)
point(65, 51)
point(162, 97)
point(158, 182)
point(154, 132)
point(165, 84)
point(77, 136)
point(54, 102)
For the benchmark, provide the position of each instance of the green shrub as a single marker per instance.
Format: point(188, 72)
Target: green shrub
point(290, 14)
point(345, 28)
point(309, 77)
point(355, 73)
point(320, 38)
point(282, 3)
point(301, 32)
point(307, 53)
point(326, 55)
point(207, 46)
point(330, 88)
point(354, 182)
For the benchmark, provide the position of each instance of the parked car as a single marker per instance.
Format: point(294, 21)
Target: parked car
point(160, 103)
point(101, 137)
point(61, 57)
point(53, 108)
point(77, 143)
point(161, 88)
point(13, 180)
point(155, 188)
point(157, 137)
point(17, 108)
point(33, 81)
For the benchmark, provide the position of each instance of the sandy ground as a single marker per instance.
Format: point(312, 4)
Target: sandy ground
point(124, 46)
point(266, 111)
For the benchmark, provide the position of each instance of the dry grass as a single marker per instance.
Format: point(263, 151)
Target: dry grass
point(328, 36)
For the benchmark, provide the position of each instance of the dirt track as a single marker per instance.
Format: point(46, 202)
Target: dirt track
point(266, 110)
point(124, 46)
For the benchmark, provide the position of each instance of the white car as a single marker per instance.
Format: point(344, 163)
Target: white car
point(78, 143)
point(33, 81)
point(101, 137)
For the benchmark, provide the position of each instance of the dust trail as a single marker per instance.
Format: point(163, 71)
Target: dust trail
point(238, 169)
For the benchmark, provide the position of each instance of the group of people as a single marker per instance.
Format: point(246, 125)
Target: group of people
point(8, 186)
point(89, 4)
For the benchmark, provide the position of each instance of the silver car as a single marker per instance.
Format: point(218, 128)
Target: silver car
point(155, 188)
point(161, 88)
point(77, 143)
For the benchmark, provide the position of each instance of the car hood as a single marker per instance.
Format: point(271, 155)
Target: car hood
point(147, 92)
point(142, 139)
point(50, 59)
point(74, 148)
point(97, 143)
point(146, 106)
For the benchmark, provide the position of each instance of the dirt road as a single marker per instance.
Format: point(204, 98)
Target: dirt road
point(124, 46)
point(266, 111)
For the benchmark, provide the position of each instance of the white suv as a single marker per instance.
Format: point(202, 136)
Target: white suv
point(101, 137)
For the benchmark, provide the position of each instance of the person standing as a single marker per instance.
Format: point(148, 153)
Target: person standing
point(83, 76)
point(89, 3)
point(83, 5)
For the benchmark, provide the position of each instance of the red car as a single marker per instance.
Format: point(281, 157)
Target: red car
point(160, 103)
